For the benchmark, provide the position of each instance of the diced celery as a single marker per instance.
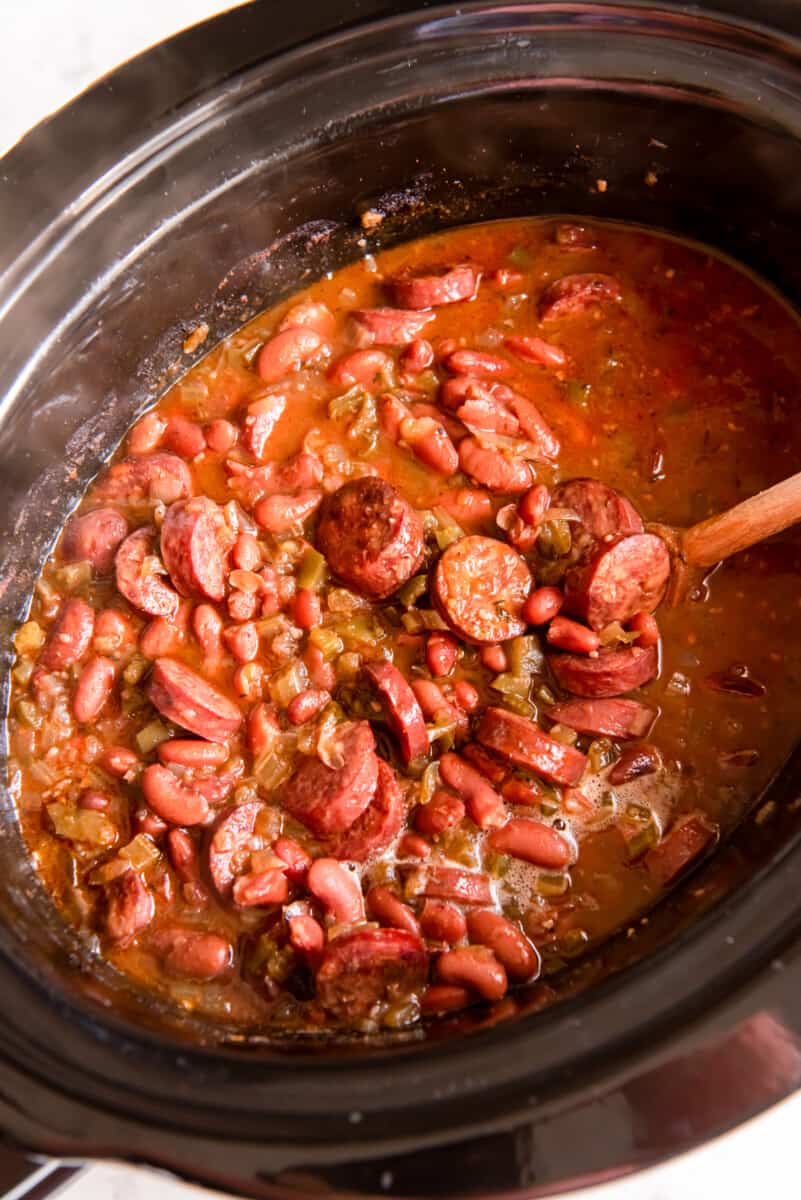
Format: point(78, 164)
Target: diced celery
point(152, 735)
point(555, 539)
point(140, 853)
point(82, 825)
point(29, 638)
point(412, 590)
point(551, 883)
point(525, 655)
point(313, 570)
point(289, 682)
point(327, 641)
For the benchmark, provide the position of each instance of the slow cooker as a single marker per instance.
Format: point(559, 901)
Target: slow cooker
point(199, 183)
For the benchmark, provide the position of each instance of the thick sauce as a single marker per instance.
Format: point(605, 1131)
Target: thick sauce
point(350, 694)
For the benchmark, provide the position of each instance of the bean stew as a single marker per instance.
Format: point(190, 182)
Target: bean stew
point(358, 690)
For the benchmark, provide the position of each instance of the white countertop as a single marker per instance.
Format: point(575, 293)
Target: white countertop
point(50, 50)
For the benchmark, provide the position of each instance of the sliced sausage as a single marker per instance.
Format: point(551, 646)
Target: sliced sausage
point(130, 908)
point(442, 812)
point(379, 824)
point(604, 513)
point(170, 799)
point(388, 326)
point(612, 673)
point(94, 537)
point(682, 845)
point(195, 541)
point(229, 848)
point(146, 477)
point(70, 637)
point(403, 709)
point(371, 537)
point(183, 696)
point(522, 742)
point(452, 883)
point(479, 588)
point(605, 718)
point(484, 804)
point(620, 579)
point(442, 287)
point(138, 578)
point(574, 294)
point(368, 968)
point(534, 842)
point(491, 469)
point(327, 800)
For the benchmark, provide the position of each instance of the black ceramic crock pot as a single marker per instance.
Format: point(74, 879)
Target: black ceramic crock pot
point(202, 181)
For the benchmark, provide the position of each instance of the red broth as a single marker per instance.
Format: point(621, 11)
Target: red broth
point(341, 704)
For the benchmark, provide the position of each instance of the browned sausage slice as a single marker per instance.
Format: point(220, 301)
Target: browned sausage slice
point(371, 537)
point(229, 847)
point(378, 825)
point(194, 543)
point(491, 469)
point(405, 714)
point(683, 844)
point(70, 636)
point(136, 569)
point(183, 696)
point(130, 908)
point(603, 512)
point(370, 967)
point(523, 743)
point(388, 326)
point(451, 883)
point(574, 294)
point(328, 800)
point(146, 477)
point(620, 579)
point(480, 585)
point(612, 673)
point(605, 718)
point(94, 537)
point(430, 291)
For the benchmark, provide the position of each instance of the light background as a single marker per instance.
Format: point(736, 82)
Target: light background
point(49, 51)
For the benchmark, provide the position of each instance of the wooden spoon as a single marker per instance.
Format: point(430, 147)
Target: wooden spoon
point(718, 537)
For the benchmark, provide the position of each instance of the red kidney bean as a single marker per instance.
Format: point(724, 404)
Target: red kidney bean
point(321, 673)
point(534, 504)
point(542, 605)
point(93, 689)
point(443, 998)
point(248, 679)
point(306, 706)
point(569, 635)
point(281, 514)
point(242, 641)
point(430, 442)
point(93, 800)
point(294, 856)
point(483, 803)
point(466, 505)
point(337, 891)
point(198, 956)
point(645, 624)
point(532, 841)
point(311, 314)
point(118, 760)
point(412, 846)
point(242, 605)
point(485, 763)
point(192, 752)
point(146, 435)
point(443, 811)
point(130, 907)
point(465, 695)
point(246, 554)
point(159, 637)
point(70, 636)
point(635, 760)
point(113, 632)
point(509, 944)
point(261, 887)
point(370, 368)
point(221, 436)
point(170, 800)
point(306, 935)
point(417, 357)
point(306, 610)
point(262, 728)
point(442, 650)
point(442, 922)
point(477, 362)
point(288, 351)
point(149, 823)
point(533, 349)
point(183, 437)
point(207, 626)
point(475, 968)
point(387, 909)
point(518, 791)
point(493, 658)
point(491, 469)
point(183, 855)
point(260, 420)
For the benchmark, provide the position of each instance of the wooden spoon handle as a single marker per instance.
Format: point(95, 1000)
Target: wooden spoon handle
point(755, 519)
